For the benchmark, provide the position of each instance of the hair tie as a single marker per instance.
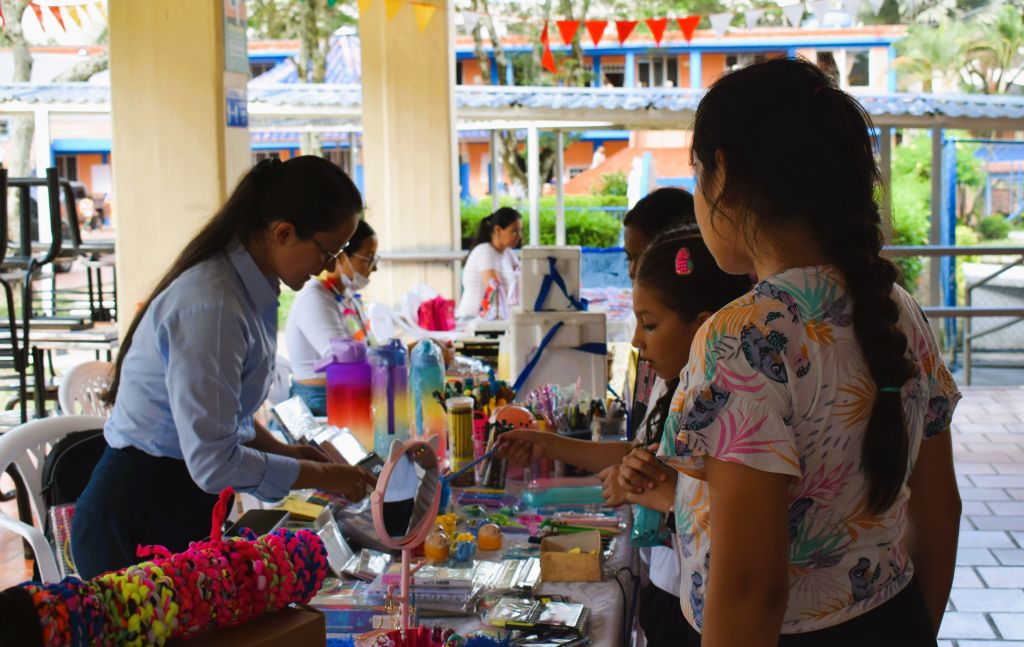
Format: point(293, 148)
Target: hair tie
point(684, 263)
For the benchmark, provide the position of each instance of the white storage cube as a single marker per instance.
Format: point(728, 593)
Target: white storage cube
point(560, 363)
point(535, 266)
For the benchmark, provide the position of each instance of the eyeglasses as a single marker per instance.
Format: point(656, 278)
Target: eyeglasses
point(371, 261)
point(328, 256)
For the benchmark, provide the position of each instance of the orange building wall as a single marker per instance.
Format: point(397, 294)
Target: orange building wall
point(470, 72)
point(85, 164)
point(713, 66)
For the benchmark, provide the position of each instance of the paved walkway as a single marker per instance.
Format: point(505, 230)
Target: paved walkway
point(986, 608)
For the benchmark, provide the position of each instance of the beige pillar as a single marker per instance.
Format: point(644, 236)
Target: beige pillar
point(177, 159)
point(409, 153)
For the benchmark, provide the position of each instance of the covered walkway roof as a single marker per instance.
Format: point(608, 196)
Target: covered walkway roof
point(329, 107)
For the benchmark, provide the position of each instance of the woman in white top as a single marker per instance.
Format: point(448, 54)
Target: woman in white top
point(328, 308)
point(492, 264)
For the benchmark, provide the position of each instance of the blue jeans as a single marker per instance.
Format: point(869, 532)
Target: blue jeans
point(315, 397)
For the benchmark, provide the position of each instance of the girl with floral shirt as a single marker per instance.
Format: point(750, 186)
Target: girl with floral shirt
point(807, 453)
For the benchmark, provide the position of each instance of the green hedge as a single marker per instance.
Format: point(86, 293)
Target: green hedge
point(582, 227)
point(994, 227)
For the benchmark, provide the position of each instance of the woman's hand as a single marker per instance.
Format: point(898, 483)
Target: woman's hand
point(641, 470)
point(614, 493)
point(353, 483)
point(523, 446)
point(308, 453)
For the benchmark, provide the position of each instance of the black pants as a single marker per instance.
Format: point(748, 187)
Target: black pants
point(903, 621)
point(660, 617)
point(134, 499)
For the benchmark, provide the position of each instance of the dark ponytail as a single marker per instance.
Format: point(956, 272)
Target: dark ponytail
point(798, 152)
point(503, 217)
point(704, 288)
point(311, 193)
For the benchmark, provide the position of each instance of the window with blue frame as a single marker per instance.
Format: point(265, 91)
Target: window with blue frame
point(858, 65)
point(67, 167)
point(657, 71)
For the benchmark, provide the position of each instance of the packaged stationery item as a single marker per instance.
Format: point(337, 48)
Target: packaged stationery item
point(460, 438)
point(367, 565)
point(530, 613)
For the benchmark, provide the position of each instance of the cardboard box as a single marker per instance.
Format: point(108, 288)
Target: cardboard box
point(285, 628)
point(557, 564)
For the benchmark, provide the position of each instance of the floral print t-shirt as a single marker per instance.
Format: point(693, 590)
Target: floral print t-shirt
point(777, 382)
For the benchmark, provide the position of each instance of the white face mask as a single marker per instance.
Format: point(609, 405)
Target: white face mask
point(356, 283)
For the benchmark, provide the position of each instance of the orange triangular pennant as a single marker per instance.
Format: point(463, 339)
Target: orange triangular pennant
point(568, 29)
point(547, 61)
point(73, 12)
point(688, 25)
point(56, 14)
point(423, 12)
point(657, 27)
point(391, 8)
point(39, 14)
point(624, 28)
point(596, 29)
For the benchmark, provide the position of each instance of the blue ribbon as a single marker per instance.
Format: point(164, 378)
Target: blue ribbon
point(554, 276)
point(595, 348)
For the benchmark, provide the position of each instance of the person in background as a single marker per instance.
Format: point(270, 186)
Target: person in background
point(197, 362)
point(491, 272)
point(670, 306)
point(326, 308)
point(807, 452)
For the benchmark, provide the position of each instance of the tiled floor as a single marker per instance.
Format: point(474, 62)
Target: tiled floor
point(986, 608)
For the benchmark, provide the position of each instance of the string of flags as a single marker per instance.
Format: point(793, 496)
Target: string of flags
point(76, 12)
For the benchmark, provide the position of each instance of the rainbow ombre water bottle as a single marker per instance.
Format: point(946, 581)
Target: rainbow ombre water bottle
point(391, 405)
point(427, 378)
point(349, 386)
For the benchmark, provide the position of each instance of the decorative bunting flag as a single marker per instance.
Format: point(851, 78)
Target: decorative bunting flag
point(3, 21)
point(39, 13)
point(596, 29)
point(568, 29)
point(56, 14)
point(876, 6)
point(103, 10)
point(547, 61)
point(470, 20)
point(391, 8)
point(852, 8)
point(73, 12)
point(364, 6)
point(423, 12)
point(720, 22)
point(794, 13)
point(753, 16)
point(657, 27)
point(820, 9)
point(688, 25)
point(624, 28)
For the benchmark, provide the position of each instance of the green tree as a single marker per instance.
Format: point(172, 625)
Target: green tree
point(995, 60)
point(312, 22)
point(934, 55)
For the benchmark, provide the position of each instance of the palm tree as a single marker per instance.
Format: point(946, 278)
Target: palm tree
point(996, 56)
point(934, 54)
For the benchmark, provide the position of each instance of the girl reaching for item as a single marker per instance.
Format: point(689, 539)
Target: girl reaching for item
point(808, 444)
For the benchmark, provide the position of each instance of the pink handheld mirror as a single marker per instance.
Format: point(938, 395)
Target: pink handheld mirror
point(405, 503)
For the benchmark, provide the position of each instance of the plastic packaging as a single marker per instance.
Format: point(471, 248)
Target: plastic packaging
point(564, 496)
point(460, 438)
point(649, 527)
point(391, 403)
point(426, 377)
point(349, 386)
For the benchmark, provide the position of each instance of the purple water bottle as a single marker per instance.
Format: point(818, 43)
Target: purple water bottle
point(349, 381)
point(390, 395)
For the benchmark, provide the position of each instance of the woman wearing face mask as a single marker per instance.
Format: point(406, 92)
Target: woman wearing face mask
point(326, 308)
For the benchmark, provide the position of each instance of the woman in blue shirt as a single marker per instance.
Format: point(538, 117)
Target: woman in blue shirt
point(197, 363)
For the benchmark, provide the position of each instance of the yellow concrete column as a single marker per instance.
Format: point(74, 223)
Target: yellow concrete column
point(409, 154)
point(177, 158)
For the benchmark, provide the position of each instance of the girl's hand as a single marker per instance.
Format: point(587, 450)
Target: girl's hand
point(641, 470)
point(662, 498)
point(523, 446)
point(614, 493)
point(353, 483)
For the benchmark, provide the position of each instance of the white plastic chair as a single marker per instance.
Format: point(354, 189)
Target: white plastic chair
point(81, 390)
point(26, 446)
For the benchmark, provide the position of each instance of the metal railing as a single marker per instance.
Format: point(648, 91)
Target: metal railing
point(969, 311)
